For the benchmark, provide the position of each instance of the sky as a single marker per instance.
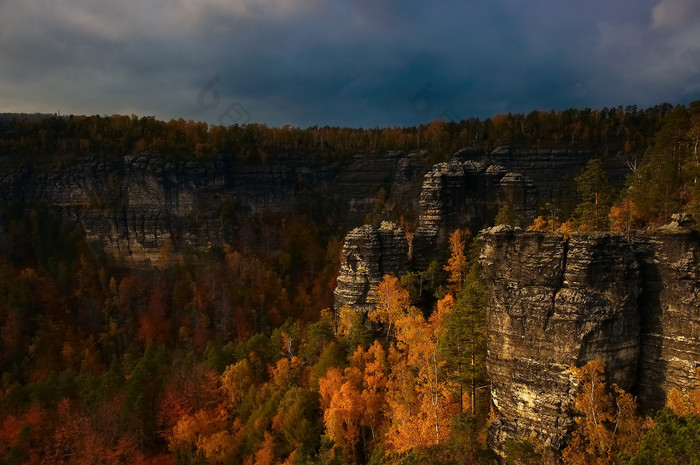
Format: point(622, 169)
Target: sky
point(361, 63)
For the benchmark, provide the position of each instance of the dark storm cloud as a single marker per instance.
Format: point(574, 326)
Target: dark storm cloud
point(343, 62)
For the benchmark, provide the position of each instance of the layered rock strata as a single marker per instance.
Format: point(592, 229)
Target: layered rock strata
point(670, 313)
point(454, 194)
point(135, 205)
point(457, 194)
point(552, 170)
point(554, 303)
point(368, 254)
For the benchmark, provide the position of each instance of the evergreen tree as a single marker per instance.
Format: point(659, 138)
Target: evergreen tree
point(661, 185)
point(595, 193)
point(464, 340)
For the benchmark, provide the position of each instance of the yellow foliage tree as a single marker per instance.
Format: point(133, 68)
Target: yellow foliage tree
point(684, 403)
point(208, 433)
point(266, 454)
point(354, 401)
point(392, 303)
point(347, 319)
point(421, 404)
point(540, 224)
point(457, 263)
point(608, 425)
point(625, 217)
point(237, 380)
point(567, 228)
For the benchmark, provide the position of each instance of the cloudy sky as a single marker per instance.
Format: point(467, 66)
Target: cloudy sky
point(342, 62)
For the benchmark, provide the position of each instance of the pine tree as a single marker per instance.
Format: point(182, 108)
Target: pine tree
point(464, 339)
point(595, 195)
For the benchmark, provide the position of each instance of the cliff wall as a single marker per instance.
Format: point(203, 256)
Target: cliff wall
point(454, 194)
point(457, 194)
point(552, 170)
point(368, 254)
point(134, 206)
point(670, 314)
point(553, 303)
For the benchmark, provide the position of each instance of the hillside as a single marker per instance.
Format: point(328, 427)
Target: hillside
point(178, 293)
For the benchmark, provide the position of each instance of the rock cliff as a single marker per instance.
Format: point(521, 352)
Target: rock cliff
point(552, 302)
point(368, 254)
point(552, 170)
point(670, 313)
point(454, 194)
point(457, 194)
point(134, 206)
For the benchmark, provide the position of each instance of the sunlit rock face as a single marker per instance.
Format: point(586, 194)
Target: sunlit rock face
point(454, 194)
point(467, 194)
point(554, 303)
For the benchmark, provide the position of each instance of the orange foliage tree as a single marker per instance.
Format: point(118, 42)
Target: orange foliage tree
point(392, 303)
point(457, 263)
point(420, 402)
point(608, 426)
point(354, 400)
point(685, 403)
point(625, 217)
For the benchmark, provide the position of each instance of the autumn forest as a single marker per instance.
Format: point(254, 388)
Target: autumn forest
point(238, 356)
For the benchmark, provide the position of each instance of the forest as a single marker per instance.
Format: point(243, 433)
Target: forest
point(605, 130)
point(237, 356)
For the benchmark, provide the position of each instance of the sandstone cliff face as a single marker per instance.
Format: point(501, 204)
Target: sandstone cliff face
point(553, 303)
point(552, 170)
point(368, 254)
point(454, 194)
point(635, 305)
point(134, 206)
point(457, 194)
point(670, 314)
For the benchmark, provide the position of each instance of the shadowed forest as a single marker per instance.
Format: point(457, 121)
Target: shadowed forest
point(237, 356)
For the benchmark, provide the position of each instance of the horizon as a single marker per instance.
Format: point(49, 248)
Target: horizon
point(624, 108)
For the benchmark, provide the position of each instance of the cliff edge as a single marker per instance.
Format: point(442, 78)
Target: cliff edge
point(556, 302)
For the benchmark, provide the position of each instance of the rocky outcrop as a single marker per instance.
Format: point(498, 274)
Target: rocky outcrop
point(454, 194)
point(457, 194)
point(134, 206)
point(554, 303)
point(552, 170)
point(670, 312)
point(368, 254)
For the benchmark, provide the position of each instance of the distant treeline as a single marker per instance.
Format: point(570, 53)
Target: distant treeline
point(627, 129)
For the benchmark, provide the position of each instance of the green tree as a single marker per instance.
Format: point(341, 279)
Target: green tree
point(505, 215)
point(464, 340)
point(595, 194)
point(143, 387)
point(673, 440)
point(299, 420)
point(665, 177)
